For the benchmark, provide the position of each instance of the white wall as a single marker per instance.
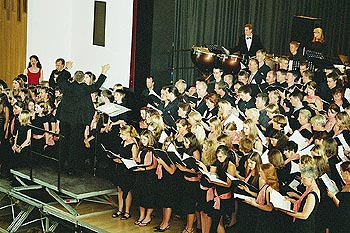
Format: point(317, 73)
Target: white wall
point(65, 29)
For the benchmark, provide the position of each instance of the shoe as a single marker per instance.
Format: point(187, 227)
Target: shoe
point(156, 228)
point(137, 222)
point(143, 224)
point(117, 214)
point(162, 230)
point(188, 231)
point(126, 216)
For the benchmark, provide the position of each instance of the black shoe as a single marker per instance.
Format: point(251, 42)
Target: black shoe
point(162, 230)
point(117, 214)
point(126, 216)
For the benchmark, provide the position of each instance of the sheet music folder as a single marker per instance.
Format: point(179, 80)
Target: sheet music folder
point(112, 109)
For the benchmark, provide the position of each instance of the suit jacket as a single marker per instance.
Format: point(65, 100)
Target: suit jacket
point(63, 73)
point(242, 46)
point(76, 106)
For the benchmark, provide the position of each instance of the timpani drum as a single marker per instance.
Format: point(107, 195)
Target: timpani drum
point(231, 64)
point(203, 59)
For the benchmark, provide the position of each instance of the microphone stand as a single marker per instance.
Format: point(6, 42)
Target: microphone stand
point(59, 155)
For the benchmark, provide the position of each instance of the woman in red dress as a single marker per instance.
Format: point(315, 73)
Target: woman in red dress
point(34, 71)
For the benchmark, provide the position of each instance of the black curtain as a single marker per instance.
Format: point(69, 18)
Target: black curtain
point(221, 22)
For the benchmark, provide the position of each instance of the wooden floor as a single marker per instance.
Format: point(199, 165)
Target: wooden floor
point(100, 215)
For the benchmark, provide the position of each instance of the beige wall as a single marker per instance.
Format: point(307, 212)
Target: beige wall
point(13, 39)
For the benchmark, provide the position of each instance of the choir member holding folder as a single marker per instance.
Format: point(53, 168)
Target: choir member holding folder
point(190, 183)
point(342, 201)
point(125, 178)
point(268, 219)
point(166, 185)
point(145, 185)
point(219, 195)
point(246, 214)
point(305, 208)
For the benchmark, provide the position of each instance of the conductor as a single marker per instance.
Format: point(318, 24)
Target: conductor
point(75, 111)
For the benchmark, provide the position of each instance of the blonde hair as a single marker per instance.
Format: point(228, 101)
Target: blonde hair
point(344, 120)
point(129, 129)
point(199, 131)
point(196, 116)
point(209, 152)
point(216, 122)
point(24, 118)
point(253, 130)
point(226, 108)
point(276, 158)
point(272, 108)
point(253, 112)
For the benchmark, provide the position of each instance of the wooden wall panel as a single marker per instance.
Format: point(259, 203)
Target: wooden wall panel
point(13, 38)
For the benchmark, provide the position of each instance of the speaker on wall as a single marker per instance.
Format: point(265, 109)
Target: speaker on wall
point(302, 29)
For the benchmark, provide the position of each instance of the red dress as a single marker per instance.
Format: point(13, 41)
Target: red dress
point(33, 78)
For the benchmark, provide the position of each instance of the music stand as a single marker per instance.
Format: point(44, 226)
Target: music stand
point(59, 155)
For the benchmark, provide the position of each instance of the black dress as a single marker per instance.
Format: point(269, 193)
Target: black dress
point(145, 185)
point(190, 188)
point(342, 216)
point(247, 214)
point(267, 220)
point(307, 225)
point(21, 159)
point(166, 187)
point(125, 178)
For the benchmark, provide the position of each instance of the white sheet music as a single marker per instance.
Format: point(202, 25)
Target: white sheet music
point(298, 139)
point(306, 151)
point(279, 201)
point(328, 182)
point(264, 157)
point(242, 197)
point(294, 185)
point(294, 167)
point(234, 118)
point(163, 136)
point(343, 142)
point(112, 109)
point(337, 166)
point(212, 177)
point(152, 92)
point(130, 163)
point(172, 148)
point(341, 154)
point(112, 154)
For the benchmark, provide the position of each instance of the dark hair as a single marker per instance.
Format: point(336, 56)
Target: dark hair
point(345, 166)
point(246, 89)
point(291, 146)
point(297, 94)
point(108, 94)
point(36, 58)
point(61, 60)
point(91, 75)
point(194, 144)
point(173, 89)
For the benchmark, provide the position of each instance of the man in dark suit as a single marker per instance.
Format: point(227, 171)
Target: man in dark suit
point(61, 70)
point(75, 111)
point(248, 43)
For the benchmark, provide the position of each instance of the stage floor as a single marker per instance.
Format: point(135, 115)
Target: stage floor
point(78, 187)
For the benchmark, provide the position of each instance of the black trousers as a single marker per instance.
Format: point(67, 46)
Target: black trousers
point(71, 146)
